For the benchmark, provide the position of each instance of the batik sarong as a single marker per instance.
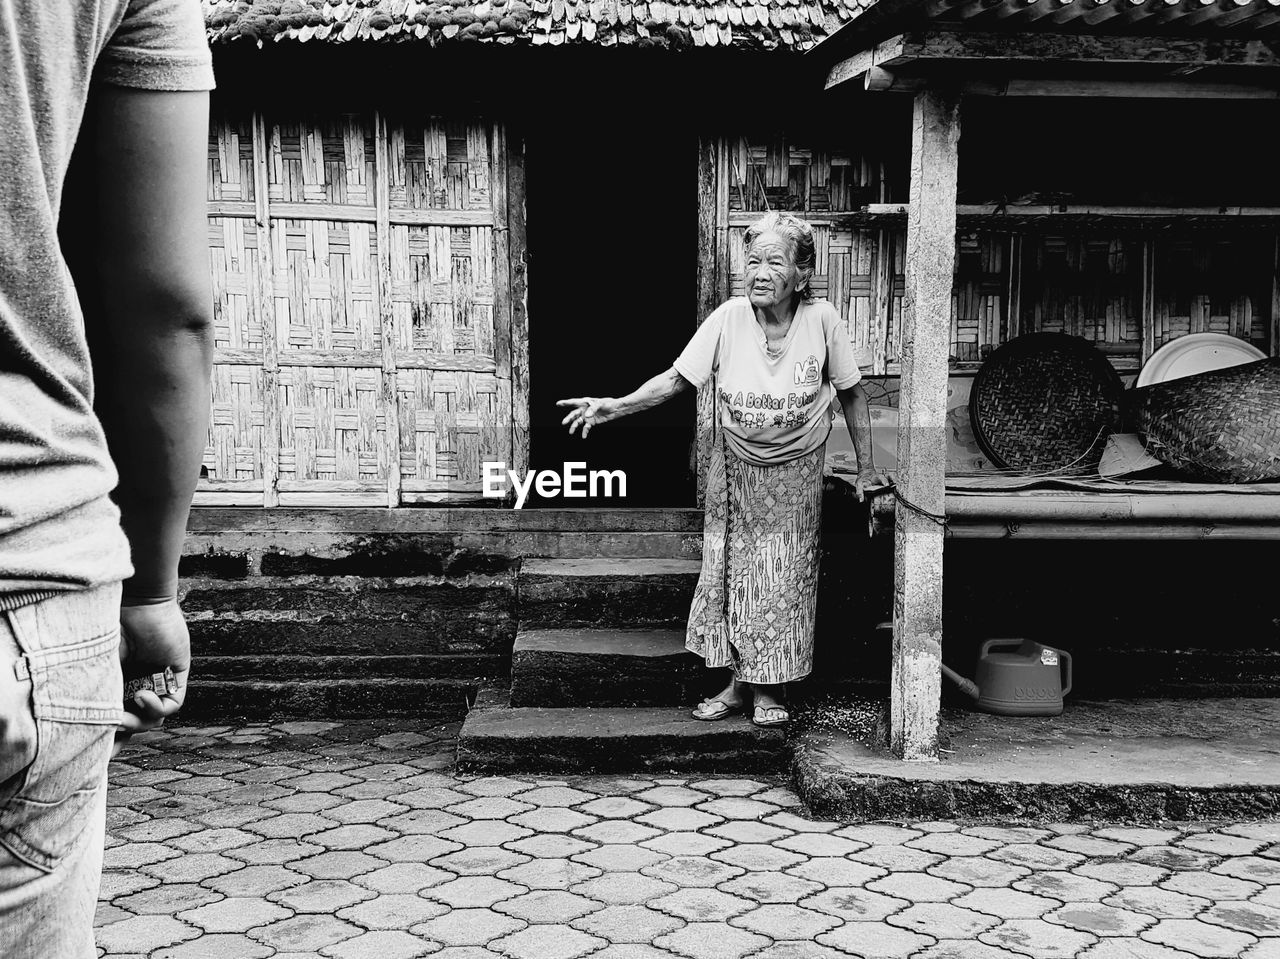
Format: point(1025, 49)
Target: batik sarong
point(754, 607)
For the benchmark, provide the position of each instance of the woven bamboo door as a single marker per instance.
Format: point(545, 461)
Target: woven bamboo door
point(362, 281)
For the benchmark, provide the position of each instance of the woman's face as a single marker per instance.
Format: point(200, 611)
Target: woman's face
point(772, 277)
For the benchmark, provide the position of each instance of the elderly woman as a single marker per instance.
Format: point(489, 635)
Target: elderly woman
point(773, 358)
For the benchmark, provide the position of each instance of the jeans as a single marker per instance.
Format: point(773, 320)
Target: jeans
point(61, 695)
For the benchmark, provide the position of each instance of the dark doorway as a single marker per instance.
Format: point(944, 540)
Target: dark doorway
point(612, 226)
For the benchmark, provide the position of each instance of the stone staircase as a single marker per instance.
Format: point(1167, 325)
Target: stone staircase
point(600, 680)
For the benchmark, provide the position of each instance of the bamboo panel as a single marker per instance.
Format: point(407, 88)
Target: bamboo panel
point(231, 159)
point(233, 269)
point(440, 164)
point(978, 296)
point(325, 282)
point(775, 175)
point(331, 426)
point(326, 159)
point(450, 422)
point(234, 450)
point(1085, 286)
point(1214, 284)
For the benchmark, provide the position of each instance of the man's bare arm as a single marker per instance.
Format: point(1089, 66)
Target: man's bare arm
point(149, 299)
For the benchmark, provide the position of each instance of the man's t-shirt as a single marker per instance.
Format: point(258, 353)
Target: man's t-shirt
point(58, 529)
point(773, 408)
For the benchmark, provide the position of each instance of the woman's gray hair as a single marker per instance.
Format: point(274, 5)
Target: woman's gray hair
point(796, 232)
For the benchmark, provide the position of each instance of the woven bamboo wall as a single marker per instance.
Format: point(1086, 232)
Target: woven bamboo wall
point(362, 323)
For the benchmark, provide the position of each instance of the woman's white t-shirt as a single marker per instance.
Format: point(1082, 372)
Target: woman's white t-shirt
point(772, 408)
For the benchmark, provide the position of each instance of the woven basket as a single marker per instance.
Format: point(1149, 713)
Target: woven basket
point(1043, 402)
point(1222, 426)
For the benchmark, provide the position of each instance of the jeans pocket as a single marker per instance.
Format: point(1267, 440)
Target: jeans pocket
point(75, 693)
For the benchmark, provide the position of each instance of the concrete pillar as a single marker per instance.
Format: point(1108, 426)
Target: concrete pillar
point(922, 447)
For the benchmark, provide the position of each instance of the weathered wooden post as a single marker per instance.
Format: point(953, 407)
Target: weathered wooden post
point(922, 452)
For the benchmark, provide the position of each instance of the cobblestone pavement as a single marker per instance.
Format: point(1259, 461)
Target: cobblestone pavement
point(346, 841)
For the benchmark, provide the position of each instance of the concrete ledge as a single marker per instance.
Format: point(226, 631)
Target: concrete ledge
point(1118, 760)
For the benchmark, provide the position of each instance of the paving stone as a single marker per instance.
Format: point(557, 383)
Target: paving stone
point(548, 873)
point(1255, 919)
point(692, 871)
point(774, 887)
point(382, 945)
point(254, 881)
point(612, 831)
point(1065, 886)
point(352, 836)
point(1158, 903)
point(1221, 844)
point(485, 833)
point(144, 933)
point(1270, 896)
point(1101, 920)
point(305, 803)
point(548, 905)
point(1265, 831)
point(548, 942)
point(627, 924)
point(468, 927)
point(555, 796)
point(156, 830)
point(747, 831)
point(780, 796)
point(672, 796)
point(620, 858)
point(965, 949)
point(291, 825)
point(711, 940)
point(217, 946)
point(119, 882)
point(470, 892)
point(1037, 857)
point(758, 856)
point(403, 877)
point(342, 865)
point(679, 819)
point(384, 772)
point(897, 858)
point(919, 887)
point(1263, 949)
point(489, 807)
point(1174, 858)
point(1004, 903)
point(686, 844)
point(1199, 938)
point(418, 822)
point(789, 820)
point(618, 888)
point(232, 817)
point(1035, 937)
point(1253, 868)
point(1089, 845)
point(136, 855)
point(979, 871)
point(1123, 872)
point(495, 786)
point(835, 871)
point(105, 914)
point(274, 851)
point(319, 782)
point(1138, 835)
point(1208, 885)
point(237, 914)
point(365, 811)
point(551, 819)
point(797, 949)
point(786, 921)
point(392, 911)
point(167, 899)
point(855, 905)
point(308, 933)
point(943, 920)
point(874, 940)
point(953, 844)
point(878, 834)
point(1119, 948)
point(731, 787)
point(479, 861)
point(816, 844)
point(322, 895)
point(631, 950)
point(194, 867)
point(615, 807)
point(734, 807)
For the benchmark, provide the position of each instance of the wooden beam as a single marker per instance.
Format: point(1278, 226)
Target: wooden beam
point(999, 47)
point(922, 411)
point(1093, 209)
point(708, 291)
point(518, 245)
point(1275, 302)
point(861, 62)
point(267, 315)
point(881, 80)
point(502, 348)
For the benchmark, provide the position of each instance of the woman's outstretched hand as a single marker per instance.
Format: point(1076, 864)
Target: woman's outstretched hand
point(866, 481)
point(588, 411)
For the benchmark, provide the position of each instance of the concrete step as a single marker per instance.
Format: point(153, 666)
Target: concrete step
point(606, 667)
point(257, 700)
point(612, 739)
point(483, 667)
point(606, 592)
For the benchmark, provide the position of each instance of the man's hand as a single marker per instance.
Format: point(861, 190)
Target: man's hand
point(588, 411)
point(152, 637)
point(867, 480)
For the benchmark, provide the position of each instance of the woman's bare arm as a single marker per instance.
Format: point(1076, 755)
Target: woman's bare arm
point(858, 420)
point(589, 411)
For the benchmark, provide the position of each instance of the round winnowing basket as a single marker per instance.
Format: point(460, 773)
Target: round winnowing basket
point(1043, 402)
point(1222, 426)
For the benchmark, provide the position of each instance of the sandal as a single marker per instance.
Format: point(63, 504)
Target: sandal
point(711, 709)
point(771, 716)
